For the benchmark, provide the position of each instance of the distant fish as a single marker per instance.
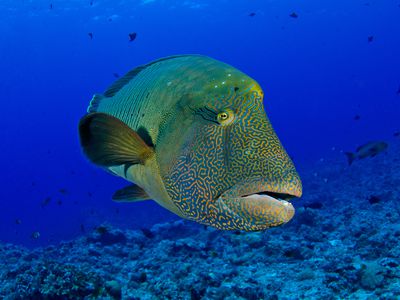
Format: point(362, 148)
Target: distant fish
point(294, 15)
point(51, 5)
point(147, 233)
point(374, 199)
point(35, 235)
point(206, 152)
point(132, 36)
point(102, 229)
point(370, 38)
point(18, 221)
point(46, 201)
point(370, 149)
point(252, 14)
point(59, 202)
point(314, 205)
point(116, 75)
point(357, 117)
point(91, 3)
point(90, 34)
point(396, 134)
point(398, 91)
point(63, 191)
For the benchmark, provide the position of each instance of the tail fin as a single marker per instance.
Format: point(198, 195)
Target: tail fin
point(350, 157)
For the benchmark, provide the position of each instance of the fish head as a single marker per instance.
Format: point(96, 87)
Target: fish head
point(222, 163)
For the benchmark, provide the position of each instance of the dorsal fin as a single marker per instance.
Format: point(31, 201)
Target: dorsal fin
point(121, 82)
point(94, 103)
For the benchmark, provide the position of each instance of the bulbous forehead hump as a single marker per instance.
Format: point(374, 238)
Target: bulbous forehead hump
point(223, 84)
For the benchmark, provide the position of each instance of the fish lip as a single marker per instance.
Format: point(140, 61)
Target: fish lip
point(277, 196)
point(259, 186)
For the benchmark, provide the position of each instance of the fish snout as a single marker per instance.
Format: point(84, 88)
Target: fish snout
point(291, 183)
point(276, 173)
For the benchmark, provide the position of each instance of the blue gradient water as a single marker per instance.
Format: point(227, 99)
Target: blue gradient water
point(318, 71)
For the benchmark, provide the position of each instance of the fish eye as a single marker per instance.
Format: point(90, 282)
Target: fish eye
point(225, 117)
point(222, 116)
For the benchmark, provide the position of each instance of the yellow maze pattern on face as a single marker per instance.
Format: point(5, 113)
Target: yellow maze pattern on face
point(198, 178)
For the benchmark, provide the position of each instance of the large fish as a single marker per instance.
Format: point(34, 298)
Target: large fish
point(192, 134)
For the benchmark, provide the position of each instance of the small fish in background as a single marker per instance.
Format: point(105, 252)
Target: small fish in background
point(102, 229)
point(314, 205)
point(132, 36)
point(35, 235)
point(370, 149)
point(18, 221)
point(398, 91)
point(51, 6)
point(91, 3)
point(294, 15)
point(116, 75)
point(396, 134)
point(252, 14)
point(373, 199)
point(63, 191)
point(357, 117)
point(89, 194)
point(59, 202)
point(147, 233)
point(90, 34)
point(46, 201)
point(370, 39)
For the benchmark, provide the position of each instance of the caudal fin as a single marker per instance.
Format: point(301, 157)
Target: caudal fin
point(350, 157)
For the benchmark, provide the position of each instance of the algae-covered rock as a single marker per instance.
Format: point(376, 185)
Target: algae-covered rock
point(113, 287)
point(372, 275)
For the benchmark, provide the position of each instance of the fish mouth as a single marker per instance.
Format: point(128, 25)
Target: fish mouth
point(274, 195)
point(258, 203)
point(255, 209)
point(257, 187)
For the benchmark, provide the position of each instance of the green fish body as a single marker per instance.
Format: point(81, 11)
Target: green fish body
point(191, 133)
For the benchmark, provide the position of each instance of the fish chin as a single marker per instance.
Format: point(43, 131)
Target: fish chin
point(256, 211)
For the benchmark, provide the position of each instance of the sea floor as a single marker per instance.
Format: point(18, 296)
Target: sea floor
point(343, 243)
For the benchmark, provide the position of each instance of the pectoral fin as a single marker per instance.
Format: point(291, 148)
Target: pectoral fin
point(107, 141)
point(131, 193)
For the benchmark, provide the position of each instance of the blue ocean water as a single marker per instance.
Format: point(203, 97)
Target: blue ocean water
point(330, 73)
point(318, 71)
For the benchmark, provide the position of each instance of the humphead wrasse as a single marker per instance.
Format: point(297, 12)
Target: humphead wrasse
point(191, 133)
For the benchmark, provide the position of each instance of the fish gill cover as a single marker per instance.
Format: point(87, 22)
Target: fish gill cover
point(329, 72)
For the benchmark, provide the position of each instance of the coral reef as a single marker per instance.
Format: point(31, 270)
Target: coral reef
point(341, 244)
